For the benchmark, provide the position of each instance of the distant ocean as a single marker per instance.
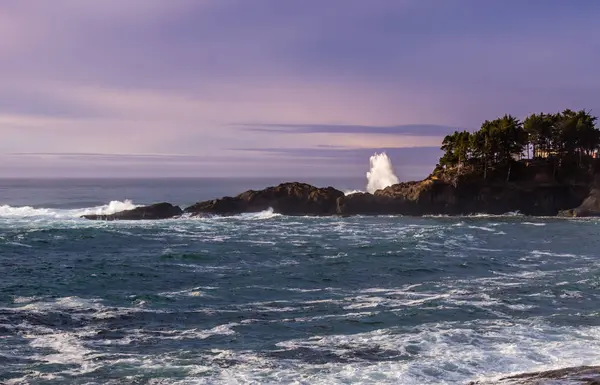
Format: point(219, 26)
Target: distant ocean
point(268, 299)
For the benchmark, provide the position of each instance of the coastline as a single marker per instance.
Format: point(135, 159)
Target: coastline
point(547, 165)
point(429, 197)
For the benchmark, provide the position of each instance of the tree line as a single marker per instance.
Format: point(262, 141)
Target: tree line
point(560, 139)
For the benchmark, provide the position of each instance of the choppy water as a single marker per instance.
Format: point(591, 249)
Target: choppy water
point(262, 298)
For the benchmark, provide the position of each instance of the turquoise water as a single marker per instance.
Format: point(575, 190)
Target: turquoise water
point(262, 298)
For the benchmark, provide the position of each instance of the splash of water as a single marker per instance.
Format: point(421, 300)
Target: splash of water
point(31, 212)
point(350, 192)
point(381, 173)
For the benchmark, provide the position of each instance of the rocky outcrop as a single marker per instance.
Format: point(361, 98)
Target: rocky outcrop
point(365, 204)
point(286, 198)
point(590, 207)
point(436, 197)
point(428, 197)
point(581, 375)
point(155, 211)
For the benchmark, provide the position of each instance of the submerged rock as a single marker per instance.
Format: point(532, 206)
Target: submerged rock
point(287, 198)
point(155, 211)
point(581, 375)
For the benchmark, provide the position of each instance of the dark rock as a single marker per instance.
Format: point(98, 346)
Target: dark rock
point(428, 197)
point(581, 375)
point(156, 211)
point(364, 204)
point(436, 197)
point(590, 207)
point(286, 198)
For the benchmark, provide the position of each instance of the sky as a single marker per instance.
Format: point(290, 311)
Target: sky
point(290, 88)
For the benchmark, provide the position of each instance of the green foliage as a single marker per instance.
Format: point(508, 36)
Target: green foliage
point(456, 148)
point(539, 128)
point(568, 136)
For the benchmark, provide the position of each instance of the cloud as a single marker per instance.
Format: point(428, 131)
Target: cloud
point(200, 77)
point(411, 163)
point(401, 155)
point(295, 163)
point(408, 129)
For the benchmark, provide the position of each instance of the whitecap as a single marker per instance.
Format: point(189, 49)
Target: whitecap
point(28, 212)
point(350, 192)
point(261, 215)
point(484, 228)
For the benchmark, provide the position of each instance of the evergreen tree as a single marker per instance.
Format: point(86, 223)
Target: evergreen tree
point(563, 139)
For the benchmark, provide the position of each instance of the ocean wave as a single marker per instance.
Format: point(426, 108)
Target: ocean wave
point(507, 214)
point(266, 214)
point(111, 208)
point(260, 215)
point(471, 307)
point(444, 352)
point(449, 352)
point(28, 212)
point(350, 192)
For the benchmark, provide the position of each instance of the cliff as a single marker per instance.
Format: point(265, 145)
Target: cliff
point(530, 188)
point(590, 207)
point(438, 197)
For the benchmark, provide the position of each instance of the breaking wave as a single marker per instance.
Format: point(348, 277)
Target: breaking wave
point(350, 192)
point(37, 213)
point(260, 215)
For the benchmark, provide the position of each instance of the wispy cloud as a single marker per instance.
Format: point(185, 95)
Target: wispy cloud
point(408, 129)
point(198, 78)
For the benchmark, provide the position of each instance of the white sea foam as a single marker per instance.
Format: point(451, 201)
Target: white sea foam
point(111, 208)
point(193, 292)
point(350, 192)
point(261, 215)
point(441, 353)
point(266, 214)
point(23, 300)
point(381, 173)
point(450, 353)
point(63, 303)
point(69, 347)
point(19, 244)
point(483, 228)
point(28, 212)
point(220, 330)
point(507, 214)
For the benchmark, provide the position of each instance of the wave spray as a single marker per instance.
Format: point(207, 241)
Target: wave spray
point(381, 173)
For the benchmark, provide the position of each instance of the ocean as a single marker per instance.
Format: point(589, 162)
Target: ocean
point(268, 299)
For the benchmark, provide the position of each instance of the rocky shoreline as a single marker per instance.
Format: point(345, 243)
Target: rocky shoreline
point(428, 197)
point(580, 375)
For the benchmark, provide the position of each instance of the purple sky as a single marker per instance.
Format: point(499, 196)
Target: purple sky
point(276, 87)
